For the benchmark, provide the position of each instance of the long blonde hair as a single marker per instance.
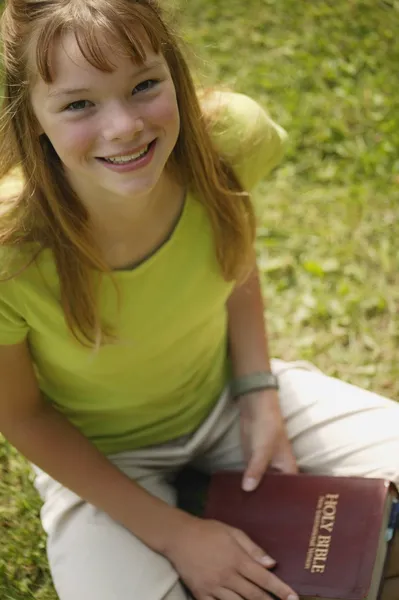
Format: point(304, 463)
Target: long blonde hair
point(48, 214)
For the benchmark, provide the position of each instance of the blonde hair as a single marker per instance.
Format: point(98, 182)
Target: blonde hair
point(47, 213)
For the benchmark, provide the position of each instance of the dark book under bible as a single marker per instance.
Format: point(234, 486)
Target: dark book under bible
point(329, 535)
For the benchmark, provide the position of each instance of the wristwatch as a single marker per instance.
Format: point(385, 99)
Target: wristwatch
point(246, 384)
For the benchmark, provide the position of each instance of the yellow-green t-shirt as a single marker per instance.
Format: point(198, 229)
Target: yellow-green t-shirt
point(170, 364)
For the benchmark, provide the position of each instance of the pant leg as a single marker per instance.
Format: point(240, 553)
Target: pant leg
point(338, 429)
point(335, 428)
point(92, 557)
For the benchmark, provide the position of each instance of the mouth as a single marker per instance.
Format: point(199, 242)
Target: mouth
point(128, 158)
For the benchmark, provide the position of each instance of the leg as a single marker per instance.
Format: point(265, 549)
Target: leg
point(338, 429)
point(335, 428)
point(94, 558)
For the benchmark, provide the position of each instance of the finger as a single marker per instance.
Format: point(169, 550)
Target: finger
point(267, 581)
point(246, 589)
point(252, 549)
point(225, 594)
point(256, 468)
point(284, 459)
point(289, 465)
point(286, 463)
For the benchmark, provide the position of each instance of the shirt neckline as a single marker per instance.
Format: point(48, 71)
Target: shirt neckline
point(162, 247)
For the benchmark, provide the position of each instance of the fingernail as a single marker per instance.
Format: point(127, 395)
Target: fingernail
point(249, 484)
point(268, 561)
point(293, 597)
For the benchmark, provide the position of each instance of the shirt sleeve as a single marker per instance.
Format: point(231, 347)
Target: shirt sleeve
point(245, 134)
point(13, 327)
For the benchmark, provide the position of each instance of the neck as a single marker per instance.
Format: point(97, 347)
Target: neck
point(127, 230)
point(115, 217)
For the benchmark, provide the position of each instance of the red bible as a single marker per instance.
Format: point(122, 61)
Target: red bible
point(329, 535)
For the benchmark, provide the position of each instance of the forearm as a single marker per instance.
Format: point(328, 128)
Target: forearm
point(248, 343)
point(52, 443)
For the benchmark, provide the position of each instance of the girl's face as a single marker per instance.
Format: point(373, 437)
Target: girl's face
point(113, 132)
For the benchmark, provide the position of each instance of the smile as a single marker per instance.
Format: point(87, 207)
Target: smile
point(122, 159)
point(130, 161)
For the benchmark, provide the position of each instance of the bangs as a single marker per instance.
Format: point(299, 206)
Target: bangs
point(95, 31)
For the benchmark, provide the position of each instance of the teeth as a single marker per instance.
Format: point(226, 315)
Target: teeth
point(124, 159)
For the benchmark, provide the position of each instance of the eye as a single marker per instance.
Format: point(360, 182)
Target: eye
point(77, 105)
point(146, 85)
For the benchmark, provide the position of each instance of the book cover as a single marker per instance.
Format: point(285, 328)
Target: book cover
point(329, 535)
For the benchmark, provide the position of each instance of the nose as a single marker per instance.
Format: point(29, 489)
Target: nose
point(122, 123)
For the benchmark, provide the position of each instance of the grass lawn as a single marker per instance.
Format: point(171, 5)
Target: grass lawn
point(328, 243)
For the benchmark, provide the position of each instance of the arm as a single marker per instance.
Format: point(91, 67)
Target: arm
point(221, 556)
point(264, 437)
point(247, 328)
point(46, 438)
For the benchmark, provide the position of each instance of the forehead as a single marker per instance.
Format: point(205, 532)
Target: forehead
point(67, 58)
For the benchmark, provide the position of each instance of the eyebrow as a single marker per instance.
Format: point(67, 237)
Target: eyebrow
point(72, 91)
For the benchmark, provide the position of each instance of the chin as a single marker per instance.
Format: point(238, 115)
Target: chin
point(134, 191)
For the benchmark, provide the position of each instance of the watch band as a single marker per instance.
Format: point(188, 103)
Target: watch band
point(255, 381)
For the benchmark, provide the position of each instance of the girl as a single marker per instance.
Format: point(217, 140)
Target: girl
point(132, 339)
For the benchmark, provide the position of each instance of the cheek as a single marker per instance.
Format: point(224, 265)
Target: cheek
point(165, 112)
point(70, 140)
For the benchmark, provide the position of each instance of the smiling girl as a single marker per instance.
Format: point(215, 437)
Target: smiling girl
point(132, 340)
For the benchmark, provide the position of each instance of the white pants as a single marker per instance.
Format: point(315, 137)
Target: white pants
point(334, 428)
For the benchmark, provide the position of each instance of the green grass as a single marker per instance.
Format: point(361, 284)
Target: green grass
point(327, 71)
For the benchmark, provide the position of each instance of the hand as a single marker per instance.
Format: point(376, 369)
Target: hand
point(217, 561)
point(264, 437)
